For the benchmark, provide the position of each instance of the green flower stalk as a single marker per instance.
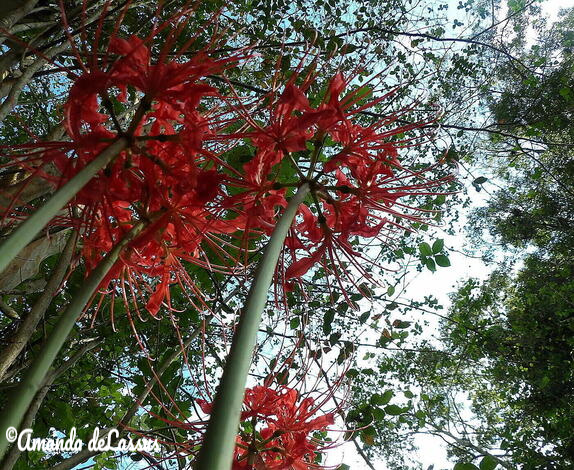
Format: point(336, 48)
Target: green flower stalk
point(217, 450)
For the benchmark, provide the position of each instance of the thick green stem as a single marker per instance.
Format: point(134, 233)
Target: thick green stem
point(32, 381)
point(217, 450)
point(26, 231)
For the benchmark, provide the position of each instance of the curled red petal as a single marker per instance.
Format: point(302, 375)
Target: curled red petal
point(205, 406)
point(336, 86)
point(300, 267)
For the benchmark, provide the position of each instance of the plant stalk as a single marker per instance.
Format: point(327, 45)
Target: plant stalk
point(219, 443)
point(32, 381)
point(27, 230)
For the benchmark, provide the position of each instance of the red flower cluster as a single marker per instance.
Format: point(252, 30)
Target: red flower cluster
point(172, 179)
point(167, 178)
point(356, 178)
point(281, 427)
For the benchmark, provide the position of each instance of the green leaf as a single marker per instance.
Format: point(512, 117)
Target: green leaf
point(364, 92)
point(378, 414)
point(437, 246)
point(238, 156)
point(368, 436)
point(488, 463)
point(393, 410)
point(328, 321)
point(566, 93)
point(425, 249)
point(352, 373)
point(285, 63)
point(430, 264)
point(364, 317)
point(401, 324)
point(294, 323)
point(334, 338)
point(480, 180)
point(380, 400)
point(420, 414)
point(366, 290)
point(65, 415)
point(442, 261)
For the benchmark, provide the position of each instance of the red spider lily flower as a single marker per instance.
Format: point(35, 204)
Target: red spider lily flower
point(170, 90)
point(368, 210)
point(292, 414)
point(181, 223)
point(284, 425)
point(294, 451)
point(287, 132)
point(169, 176)
point(260, 402)
point(280, 430)
point(292, 123)
point(258, 168)
point(360, 186)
